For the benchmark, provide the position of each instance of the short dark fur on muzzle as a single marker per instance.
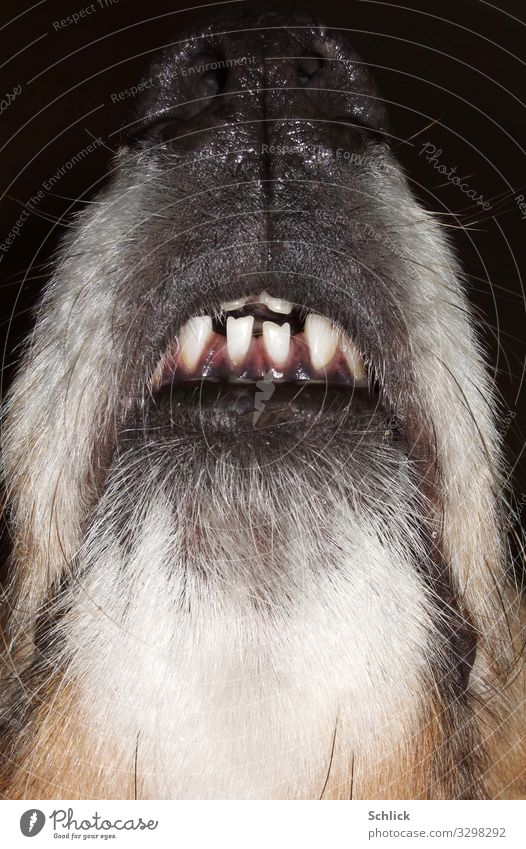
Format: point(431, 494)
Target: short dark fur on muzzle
point(265, 560)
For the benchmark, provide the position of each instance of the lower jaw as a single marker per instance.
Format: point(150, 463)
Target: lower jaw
point(313, 451)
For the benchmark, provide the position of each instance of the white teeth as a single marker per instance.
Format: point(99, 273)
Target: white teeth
point(321, 336)
point(354, 358)
point(193, 339)
point(277, 341)
point(230, 306)
point(275, 304)
point(322, 339)
point(239, 337)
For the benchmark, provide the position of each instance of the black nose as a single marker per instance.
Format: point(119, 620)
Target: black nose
point(255, 67)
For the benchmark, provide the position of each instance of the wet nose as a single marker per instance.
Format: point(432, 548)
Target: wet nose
point(255, 67)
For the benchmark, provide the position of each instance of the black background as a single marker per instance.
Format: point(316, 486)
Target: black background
point(453, 74)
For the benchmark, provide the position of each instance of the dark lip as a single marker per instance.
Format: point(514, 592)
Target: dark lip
point(207, 422)
point(231, 407)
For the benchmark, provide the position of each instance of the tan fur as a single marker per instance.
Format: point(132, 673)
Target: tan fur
point(58, 759)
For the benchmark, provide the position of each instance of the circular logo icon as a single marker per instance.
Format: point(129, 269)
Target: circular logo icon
point(32, 822)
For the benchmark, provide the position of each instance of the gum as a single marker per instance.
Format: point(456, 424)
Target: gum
point(216, 365)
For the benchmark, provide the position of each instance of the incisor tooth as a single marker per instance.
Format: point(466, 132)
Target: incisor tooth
point(354, 358)
point(275, 304)
point(322, 340)
point(277, 341)
point(193, 338)
point(238, 337)
point(230, 306)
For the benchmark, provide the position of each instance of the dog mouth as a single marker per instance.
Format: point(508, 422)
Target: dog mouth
point(257, 362)
point(260, 337)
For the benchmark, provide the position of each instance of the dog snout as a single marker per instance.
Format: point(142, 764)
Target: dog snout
point(259, 134)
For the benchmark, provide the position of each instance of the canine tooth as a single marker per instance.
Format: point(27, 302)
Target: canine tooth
point(275, 304)
point(193, 338)
point(354, 358)
point(230, 306)
point(322, 339)
point(238, 337)
point(277, 341)
point(157, 376)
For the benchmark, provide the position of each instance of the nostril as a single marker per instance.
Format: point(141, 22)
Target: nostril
point(213, 73)
point(308, 66)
